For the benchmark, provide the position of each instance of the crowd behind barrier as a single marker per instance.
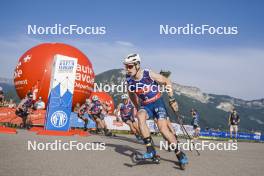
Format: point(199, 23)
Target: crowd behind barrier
point(7, 115)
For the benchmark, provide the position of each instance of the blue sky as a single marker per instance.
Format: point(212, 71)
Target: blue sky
point(216, 64)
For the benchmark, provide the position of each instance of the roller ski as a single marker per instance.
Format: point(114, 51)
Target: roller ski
point(152, 157)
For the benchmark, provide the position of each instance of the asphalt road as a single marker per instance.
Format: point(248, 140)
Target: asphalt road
point(16, 159)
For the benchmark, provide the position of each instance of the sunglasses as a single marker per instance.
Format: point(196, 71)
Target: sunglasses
point(129, 67)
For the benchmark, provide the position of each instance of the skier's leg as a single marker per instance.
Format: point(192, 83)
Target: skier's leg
point(231, 132)
point(142, 117)
point(135, 125)
point(131, 126)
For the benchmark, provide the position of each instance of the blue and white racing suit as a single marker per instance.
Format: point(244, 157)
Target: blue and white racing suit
point(127, 112)
point(96, 110)
point(148, 92)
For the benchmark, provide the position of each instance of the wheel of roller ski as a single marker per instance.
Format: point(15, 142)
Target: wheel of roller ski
point(182, 166)
point(156, 159)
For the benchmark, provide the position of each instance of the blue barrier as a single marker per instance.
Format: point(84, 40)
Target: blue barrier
point(77, 122)
point(241, 135)
point(262, 138)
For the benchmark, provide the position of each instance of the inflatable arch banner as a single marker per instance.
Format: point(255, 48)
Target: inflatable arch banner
point(61, 93)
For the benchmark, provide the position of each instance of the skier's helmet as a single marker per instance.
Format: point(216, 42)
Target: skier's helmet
point(132, 59)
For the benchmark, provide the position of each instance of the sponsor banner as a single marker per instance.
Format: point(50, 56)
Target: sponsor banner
point(114, 125)
point(79, 123)
point(221, 134)
point(61, 93)
point(152, 126)
point(177, 128)
point(262, 138)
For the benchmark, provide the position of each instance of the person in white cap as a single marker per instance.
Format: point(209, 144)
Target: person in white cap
point(1, 95)
point(40, 104)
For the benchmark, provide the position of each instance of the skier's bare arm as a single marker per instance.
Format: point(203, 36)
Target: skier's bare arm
point(165, 81)
point(133, 97)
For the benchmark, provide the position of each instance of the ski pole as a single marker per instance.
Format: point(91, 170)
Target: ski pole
point(185, 131)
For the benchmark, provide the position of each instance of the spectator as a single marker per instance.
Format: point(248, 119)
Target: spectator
point(11, 104)
point(39, 104)
point(76, 107)
point(233, 121)
point(1, 95)
point(195, 123)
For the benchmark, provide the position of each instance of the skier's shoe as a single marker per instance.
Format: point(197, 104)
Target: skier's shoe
point(152, 156)
point(149, 155)
point(139, 138)
point(139, 157)
point(183, 160)
point(107, 132)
